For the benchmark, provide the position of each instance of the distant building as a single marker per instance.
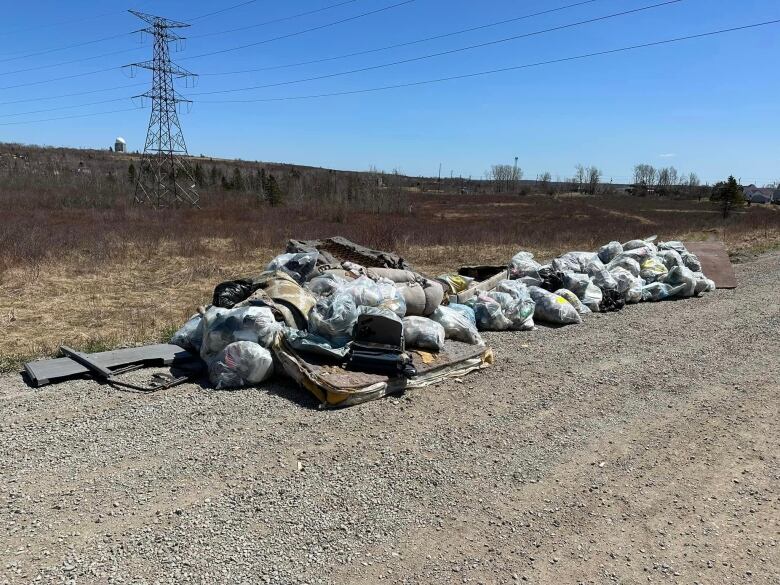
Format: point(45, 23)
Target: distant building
point(120, 145)
point(758, 194)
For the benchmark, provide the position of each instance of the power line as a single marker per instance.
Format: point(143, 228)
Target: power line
point(73, 76)
point(274, 21)
point(501, 70)
point(70, 117)
point(65, 107)
point(405, 44)
point(222, 10)
point(300, 32)
point(443, 53)
point(72, 61)
point(65, 48)
point(67, 95)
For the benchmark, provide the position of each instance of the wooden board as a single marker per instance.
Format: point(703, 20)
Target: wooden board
point(715, 262)
point(43, 372)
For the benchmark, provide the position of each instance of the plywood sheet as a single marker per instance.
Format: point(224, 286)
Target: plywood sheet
point(45, 372)
point(715, 262)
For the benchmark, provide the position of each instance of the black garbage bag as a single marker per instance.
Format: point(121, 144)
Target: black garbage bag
point(612, 301)
point(228, 294)
point(552, 280)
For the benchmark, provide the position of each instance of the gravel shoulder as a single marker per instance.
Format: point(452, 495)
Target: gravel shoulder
point(639, 447)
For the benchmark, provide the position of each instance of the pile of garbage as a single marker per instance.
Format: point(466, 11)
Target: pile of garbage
point(312, 301)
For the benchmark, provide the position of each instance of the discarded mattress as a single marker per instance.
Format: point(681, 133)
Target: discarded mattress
point(336, 387)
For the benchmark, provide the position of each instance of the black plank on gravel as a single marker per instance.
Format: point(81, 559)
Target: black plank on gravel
point(715, 262)
point(43, 372)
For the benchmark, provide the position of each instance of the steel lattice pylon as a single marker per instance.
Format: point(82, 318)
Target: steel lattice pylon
point(165, 178)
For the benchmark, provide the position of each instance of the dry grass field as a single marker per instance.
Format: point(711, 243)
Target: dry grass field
point(97, 278)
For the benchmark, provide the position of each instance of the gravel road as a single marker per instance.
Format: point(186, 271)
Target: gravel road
point(639, 447)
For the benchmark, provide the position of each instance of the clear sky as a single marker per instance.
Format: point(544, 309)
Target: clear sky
point(708, 105)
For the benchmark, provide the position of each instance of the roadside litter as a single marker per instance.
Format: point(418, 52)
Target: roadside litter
point(352, 324)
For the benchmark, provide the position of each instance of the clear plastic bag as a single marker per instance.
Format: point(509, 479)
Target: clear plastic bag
point(608, 251)
point(456, 325)
point(703, 284)
point(221, 327)
point(240, 364)
point(658, 291)
point(334, 319)
point(601, 276)
point(675, 245)
point(573, 300)
point(626, 262)
point(574, 261)
point(466, 311)
point(190, 336)
point(691, 261)
point(489, 313)
point(670, 258)
point(368, 293)
point(524, 265)
point(582, 285)
point(326, 285)
point(300, 266)
point(652, 269)
point(306, 342)
point(647, 243)
point(553, 309)
point(629, 286)
point(679, 275)
point(520, 309)
point(422, 333)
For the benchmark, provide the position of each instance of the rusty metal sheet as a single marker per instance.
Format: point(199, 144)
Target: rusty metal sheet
point(715, 262)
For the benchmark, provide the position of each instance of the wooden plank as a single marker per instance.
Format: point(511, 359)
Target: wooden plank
point(485, 286)
point(715, 262)
point(43, 372)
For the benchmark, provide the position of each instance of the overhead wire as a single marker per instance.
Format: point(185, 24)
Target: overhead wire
point(404, 44)
point(67, 95)
point(300, 32)
point(220, 11)
point(443, 53)
point(15, 114)
point(502, 69)
point(274, 21)
point(449, 78)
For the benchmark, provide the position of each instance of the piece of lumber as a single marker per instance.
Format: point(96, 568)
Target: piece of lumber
point(43, 372)
point(484, 286)
point(715, 262)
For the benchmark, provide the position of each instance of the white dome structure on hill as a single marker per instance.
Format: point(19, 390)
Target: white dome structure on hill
point(120, 145)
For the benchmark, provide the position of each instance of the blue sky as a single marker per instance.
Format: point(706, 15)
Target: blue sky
point(708, 105)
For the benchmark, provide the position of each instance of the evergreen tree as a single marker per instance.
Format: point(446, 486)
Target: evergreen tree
point(198, 175)
point(729, 195)
point(131, 174)
point(226, 186)
point(274, 192)
point(237, 182)
point(213, 176)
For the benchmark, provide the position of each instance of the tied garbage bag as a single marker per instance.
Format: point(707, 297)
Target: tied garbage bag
point(647, 243)
point(520, 310)
point(658, 291)
point(573, 300)
point(228, 294)
point(240, 364)
point(306, 342)
point(679, 275)
point(221, 327)
point(670, 258)
point(582, 286)
point(703, 284)
point(326, 284)
point(573, 261)
point(367, 293)
point(300, 266)
point(608, 251)
point(652, 269)
point(464, 310)
point(629, 286)
point(456, 325)
point(190, 336)
point(422, 333)
point(334, 319)
point(626, 262)
point(553, 309)
point(691, 261)
point(523, 265)
point(600, 275)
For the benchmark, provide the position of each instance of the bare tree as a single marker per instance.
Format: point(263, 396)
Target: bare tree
point(504, 177)
point(545, 183)
point(580, 176)
point(594, 178)
point(645, 177)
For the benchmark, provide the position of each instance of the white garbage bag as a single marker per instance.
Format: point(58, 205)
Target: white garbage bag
point(243, 363)
point(422, 333)
point(552, 308)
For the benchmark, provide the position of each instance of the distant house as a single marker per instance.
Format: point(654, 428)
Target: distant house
point(755, 194)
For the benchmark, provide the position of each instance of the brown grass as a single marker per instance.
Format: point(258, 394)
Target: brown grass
point(102, 277)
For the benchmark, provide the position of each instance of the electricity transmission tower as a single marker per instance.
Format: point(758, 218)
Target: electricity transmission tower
point(165, 178)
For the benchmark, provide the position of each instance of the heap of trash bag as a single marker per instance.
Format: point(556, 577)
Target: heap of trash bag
point(313, 306)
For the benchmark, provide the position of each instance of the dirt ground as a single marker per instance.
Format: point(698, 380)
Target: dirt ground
point(639, 447)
